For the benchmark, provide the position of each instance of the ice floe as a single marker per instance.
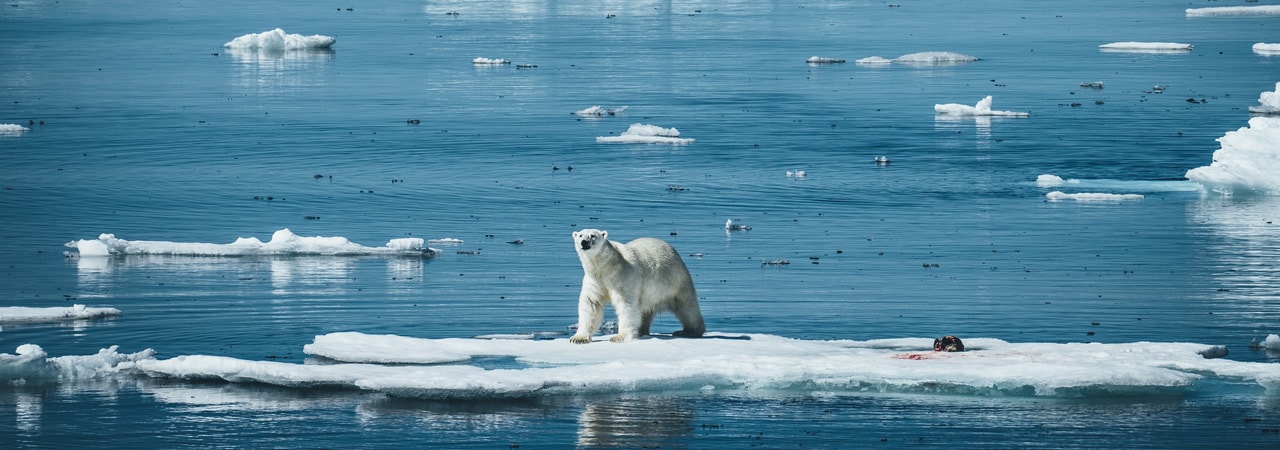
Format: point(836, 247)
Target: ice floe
point(12, 129)
point(468, 368)
point(599, 111)
point(1264, 10)
point(920, 59)
point(1146, 47)
point(1092, 196)
point(24, 314)
point(1247, 162)
point(982, 108)
point(1136, 186)
point(1268, 102)
point(823, 60)
point(283, 242)
point(639, 133)
point(482, 61)
point(1263, 48)
point(278, 40)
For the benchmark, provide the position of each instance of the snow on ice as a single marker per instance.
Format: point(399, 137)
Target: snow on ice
point(639, 133)
point(480, 368)
point(983, 108)
point(278, 40)
point(283, 242)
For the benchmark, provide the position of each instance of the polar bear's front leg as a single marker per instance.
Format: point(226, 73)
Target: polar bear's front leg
point(629, 320)
point(590, 315)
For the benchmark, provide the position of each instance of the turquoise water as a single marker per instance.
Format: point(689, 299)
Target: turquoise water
point(142, 125)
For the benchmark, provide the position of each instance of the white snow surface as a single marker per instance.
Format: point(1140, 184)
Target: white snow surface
point(1263, 48)
point(24, 314)
point(1264, 10)
point(283, 242)
point(456, 367)
point(1268, 101)
point(1146, 47)
point(278, 40)
point(639, 133)
point(10, 128)
point(1247, 162)
point(983, 108)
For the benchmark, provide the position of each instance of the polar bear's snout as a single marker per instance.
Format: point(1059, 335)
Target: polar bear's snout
point(585, 244)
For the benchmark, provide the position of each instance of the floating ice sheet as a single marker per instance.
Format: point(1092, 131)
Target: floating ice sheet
point(12, 129)
point(1092, 196)
point(278, 40)
point(639, 133)
point(1145, 186)
point(1146, 47)
point(23, 314)
point(599, 111)
point(823, 60)
point(482, 61)
point(283, 242)
point(1265, 10)
point(983, 108)
point(1247, 162)
point(415, 367)
point(920, 59)
point(1263, 48)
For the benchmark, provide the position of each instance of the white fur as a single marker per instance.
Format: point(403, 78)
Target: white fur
point(640, 279)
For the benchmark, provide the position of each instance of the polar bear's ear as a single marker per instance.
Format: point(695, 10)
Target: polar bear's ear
point(604, 234)
point(576, 234)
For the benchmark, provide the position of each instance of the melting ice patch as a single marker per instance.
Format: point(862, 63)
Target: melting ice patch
point(1263, 48)
point(639, 133)
point(278, 40)
point(283, 242)
point(466, 368)
point(1268, 101)
point(23, 314)
point(1146, 47)
point(983, 108)
point(12, 129)
point(1267, 10)
point(1247, 162)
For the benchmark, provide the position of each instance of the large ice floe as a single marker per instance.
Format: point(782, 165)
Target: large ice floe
point(471, 368)
point(982, 108)
point(24, 314)
point(1146, 47)
point(278, 40)
point(639, 133)
point(1265, 49)
point(12, 129)
point(1264, 10)
point(920, 59)
point(282, 243)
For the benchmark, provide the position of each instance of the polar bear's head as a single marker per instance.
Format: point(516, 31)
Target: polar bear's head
point(589, 238)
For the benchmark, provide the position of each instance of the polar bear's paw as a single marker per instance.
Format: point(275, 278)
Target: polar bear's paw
point(620, 337)
point(580, 339)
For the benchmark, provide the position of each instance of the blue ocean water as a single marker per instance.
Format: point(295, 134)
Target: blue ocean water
point(144, 126)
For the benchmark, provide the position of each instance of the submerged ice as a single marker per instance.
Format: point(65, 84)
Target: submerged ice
point(464, 368)
point(283, 242)
point(278, 40)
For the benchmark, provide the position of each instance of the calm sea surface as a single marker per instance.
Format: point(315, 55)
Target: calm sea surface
point(142, 125)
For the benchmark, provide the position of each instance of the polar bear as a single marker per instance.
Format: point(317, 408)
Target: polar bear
point(640, 279)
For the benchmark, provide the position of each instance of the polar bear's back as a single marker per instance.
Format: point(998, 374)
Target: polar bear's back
point(656, 257)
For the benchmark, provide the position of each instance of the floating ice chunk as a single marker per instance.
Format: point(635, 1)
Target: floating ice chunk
point(934, 58)
point(730, 226)
point(1272, 342)
point(31, 364)
point(1263, 48)
point(874, 60)
point(1267, 10)
point(640, 133)
point(486, 61)
point(1146, 47)
point(278, 40)
point(1247, 162)
point(446, 241)
point(598, 111)
point(23, 314)
point(283, 242)
point(1049, 180)
point(823, 60)
point(1092, 196)
point(983, 108)
point(13, 129)
point(1269, 102)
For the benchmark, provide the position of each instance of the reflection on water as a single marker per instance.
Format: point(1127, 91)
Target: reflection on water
point(1244, 237)
point(635, 422)
point(270, 70)
point(288, 275)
